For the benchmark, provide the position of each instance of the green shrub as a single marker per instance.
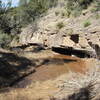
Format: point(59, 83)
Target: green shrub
point(33, 10)
point(96, 6)
point(68, 13)
point(64, 13)
point(84, 3)
point(13, 19)
point(60, 25)
point(5, 39)
point(75, 7)
point(87, 23)
point(76, 12)
point(93, 10)
point(97, 16)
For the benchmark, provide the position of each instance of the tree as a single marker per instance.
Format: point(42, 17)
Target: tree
point(30, 9)
point(4, 19)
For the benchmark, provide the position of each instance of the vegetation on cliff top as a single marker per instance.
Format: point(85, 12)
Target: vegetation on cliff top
point(12, 19)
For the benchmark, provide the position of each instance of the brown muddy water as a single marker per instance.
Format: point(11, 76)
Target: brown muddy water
point(54, 67)
point(58, 65)
point(21, 70)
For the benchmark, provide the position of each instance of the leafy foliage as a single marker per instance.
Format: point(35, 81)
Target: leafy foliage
point(75, 7)
point(87, 23)
point(32, 9)
point(4, 19)
point(60, 25)
point(5, 39)
point(12, 19)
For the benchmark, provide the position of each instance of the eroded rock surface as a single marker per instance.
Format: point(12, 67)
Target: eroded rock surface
point(72, 34)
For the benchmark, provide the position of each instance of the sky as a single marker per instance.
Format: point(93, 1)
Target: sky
point(14, 2)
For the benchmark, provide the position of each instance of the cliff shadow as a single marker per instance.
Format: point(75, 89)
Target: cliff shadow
point(13, 68)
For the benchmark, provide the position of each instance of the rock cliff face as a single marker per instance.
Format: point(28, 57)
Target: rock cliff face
point(56, 31)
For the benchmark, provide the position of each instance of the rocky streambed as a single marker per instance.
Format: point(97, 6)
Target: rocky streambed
point(27, 71)
point(19, 69)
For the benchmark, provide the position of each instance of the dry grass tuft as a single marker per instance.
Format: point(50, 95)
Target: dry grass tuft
point(81, 87)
